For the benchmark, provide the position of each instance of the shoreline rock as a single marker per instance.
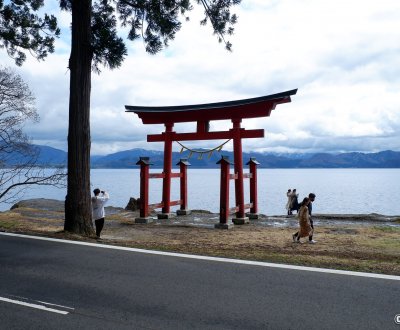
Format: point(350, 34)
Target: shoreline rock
point(40, 203)
point(58, 206)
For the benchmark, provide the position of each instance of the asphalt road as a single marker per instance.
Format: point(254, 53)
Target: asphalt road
point(112, 289)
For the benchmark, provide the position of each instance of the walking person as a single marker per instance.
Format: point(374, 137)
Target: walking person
point(304, 222)
point(289, 197)
point(311, 197)
point(99, 199)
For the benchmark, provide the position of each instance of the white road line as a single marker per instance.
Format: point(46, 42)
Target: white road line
point(55, 305)
point(40, 302)
point(199, 257)
point(41, 307)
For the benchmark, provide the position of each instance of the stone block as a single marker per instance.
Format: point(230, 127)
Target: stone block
point(240, 221)
point(164, 216)
point(183, 212)
point(253, 216)
point(143, 220)
point(224, 225)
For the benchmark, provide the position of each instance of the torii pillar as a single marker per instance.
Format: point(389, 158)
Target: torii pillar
point(240, 218)
point(166, 194)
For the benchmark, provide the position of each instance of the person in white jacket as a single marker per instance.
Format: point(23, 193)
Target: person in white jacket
point(99, 199)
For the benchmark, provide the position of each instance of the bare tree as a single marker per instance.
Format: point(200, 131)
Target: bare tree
point(18, 157)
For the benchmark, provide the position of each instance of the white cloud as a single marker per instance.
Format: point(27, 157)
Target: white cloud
point(341, 55)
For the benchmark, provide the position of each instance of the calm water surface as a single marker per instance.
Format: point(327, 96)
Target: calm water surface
point(339, 191)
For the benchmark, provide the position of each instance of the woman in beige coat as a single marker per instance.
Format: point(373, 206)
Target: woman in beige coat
point(304, 222)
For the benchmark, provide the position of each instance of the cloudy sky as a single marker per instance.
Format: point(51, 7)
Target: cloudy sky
point(342, 55)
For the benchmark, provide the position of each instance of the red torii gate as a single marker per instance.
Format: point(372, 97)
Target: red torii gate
point(203, 114)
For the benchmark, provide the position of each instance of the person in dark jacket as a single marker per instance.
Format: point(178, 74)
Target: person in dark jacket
point(294, 203)
point(311, 197)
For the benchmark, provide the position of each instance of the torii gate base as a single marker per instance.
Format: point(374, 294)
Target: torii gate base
point(225, 210)
point(203, 114)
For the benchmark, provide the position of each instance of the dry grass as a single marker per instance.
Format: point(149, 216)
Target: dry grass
point(354, 247)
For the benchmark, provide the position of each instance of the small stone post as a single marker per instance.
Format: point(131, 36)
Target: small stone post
point(144, 163)
point(224, 194)
point(253, 214)
point(183, 164)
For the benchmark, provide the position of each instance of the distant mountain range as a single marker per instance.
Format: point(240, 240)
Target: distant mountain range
point(127, 159)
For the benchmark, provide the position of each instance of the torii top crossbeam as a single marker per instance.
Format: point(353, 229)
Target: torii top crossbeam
point(240, 109)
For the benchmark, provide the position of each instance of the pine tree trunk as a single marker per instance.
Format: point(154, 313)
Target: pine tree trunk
point(78, 215)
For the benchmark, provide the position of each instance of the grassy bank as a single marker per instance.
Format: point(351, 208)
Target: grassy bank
point(358, 247)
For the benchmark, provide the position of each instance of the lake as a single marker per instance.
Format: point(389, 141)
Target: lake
point(339, 191)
